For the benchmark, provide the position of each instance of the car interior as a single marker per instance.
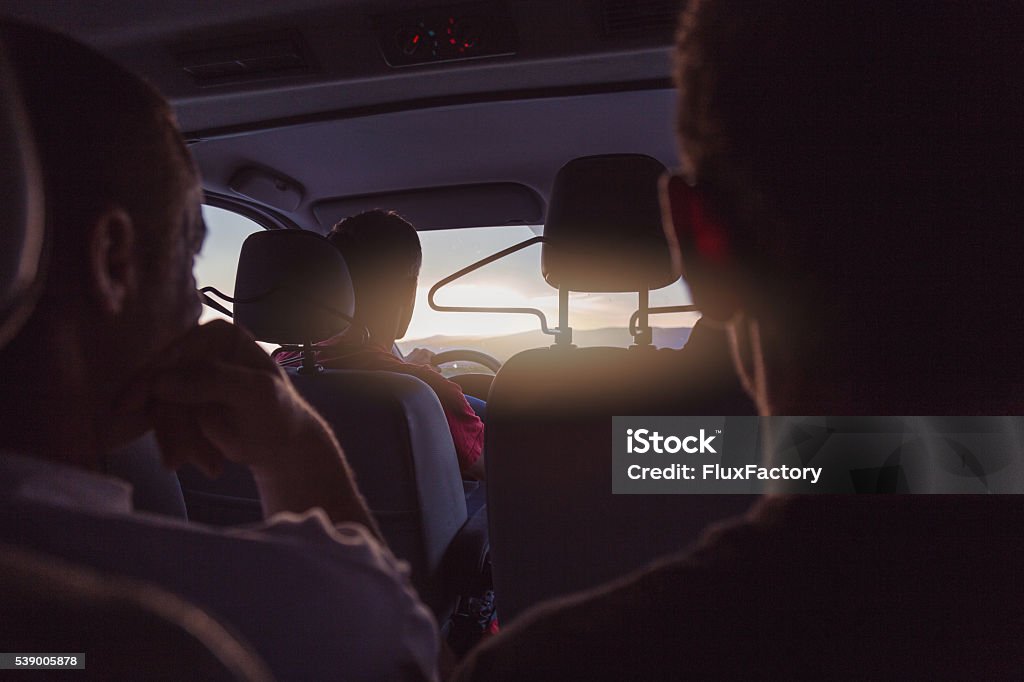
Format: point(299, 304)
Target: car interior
point(552, 115)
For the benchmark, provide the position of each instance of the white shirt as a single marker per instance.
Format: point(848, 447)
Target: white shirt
point(316, 601)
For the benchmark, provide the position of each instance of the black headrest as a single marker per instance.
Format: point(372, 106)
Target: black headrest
point(292, 287)
point(604, 226)
point(21, 209)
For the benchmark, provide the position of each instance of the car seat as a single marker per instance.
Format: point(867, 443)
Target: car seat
point(555, 525)
point(293, 288)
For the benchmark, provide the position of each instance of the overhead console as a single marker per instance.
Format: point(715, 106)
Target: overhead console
point(443, 34)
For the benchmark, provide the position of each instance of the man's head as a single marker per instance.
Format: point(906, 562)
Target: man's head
point(384, 257)
point(122, 205)
point(849, 187)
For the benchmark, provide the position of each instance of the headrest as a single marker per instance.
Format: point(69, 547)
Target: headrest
point(21, 210)
point(604, 226)
point(292, 287)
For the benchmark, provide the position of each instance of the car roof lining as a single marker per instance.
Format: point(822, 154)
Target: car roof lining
point(354, 126)
point(562, 43)
point(445, 146)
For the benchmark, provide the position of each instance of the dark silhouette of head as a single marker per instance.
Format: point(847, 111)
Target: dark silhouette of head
point(383, 254)
point(122, 208)
point(850, 188)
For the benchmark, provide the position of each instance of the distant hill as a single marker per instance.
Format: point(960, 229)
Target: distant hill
point(504, 347)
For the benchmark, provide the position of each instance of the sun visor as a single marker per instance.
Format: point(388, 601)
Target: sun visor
point(436, 208)
point(292, 287)
point(603, 228)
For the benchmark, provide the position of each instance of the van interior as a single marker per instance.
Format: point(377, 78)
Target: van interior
point(533, 127)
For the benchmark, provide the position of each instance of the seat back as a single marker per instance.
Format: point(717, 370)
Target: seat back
point(155, 489)
point(556, 527)
point(396, 439)
point(392, 427)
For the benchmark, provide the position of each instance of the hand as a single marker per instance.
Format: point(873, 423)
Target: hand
point(215, 395)
point(422, 356)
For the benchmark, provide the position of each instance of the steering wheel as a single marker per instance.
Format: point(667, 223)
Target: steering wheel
point(464, 354)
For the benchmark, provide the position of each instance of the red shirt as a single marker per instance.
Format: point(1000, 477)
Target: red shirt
point(466, 428)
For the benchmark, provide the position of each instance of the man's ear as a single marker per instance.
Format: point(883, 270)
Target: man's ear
point(113, 270)
point(701, 248)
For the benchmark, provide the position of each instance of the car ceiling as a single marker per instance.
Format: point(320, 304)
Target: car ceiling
point(350, 124)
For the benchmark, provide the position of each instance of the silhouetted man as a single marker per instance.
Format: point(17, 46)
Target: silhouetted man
point(849, 208)
point(113, 350)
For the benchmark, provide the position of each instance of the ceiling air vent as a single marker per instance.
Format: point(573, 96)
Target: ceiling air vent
point(244, 58)
point(653, 19)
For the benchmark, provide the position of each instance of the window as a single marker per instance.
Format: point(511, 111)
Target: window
point(596, 319)
point(216, 264)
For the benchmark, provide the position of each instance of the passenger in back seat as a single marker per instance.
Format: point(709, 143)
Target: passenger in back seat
point(383, 254)
point(850, 210)
point(113, 349)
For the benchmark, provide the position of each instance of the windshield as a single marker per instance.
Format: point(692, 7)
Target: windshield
point(515, 281)
point(596, 319)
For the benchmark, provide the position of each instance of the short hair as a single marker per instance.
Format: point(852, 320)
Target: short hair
point(104, 136)
point(380, 248)
point(862, 150)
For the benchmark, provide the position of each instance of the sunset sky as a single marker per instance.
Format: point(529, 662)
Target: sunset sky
point(514, 281)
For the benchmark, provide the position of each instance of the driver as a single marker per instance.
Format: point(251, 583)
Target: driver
point(383, 254)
